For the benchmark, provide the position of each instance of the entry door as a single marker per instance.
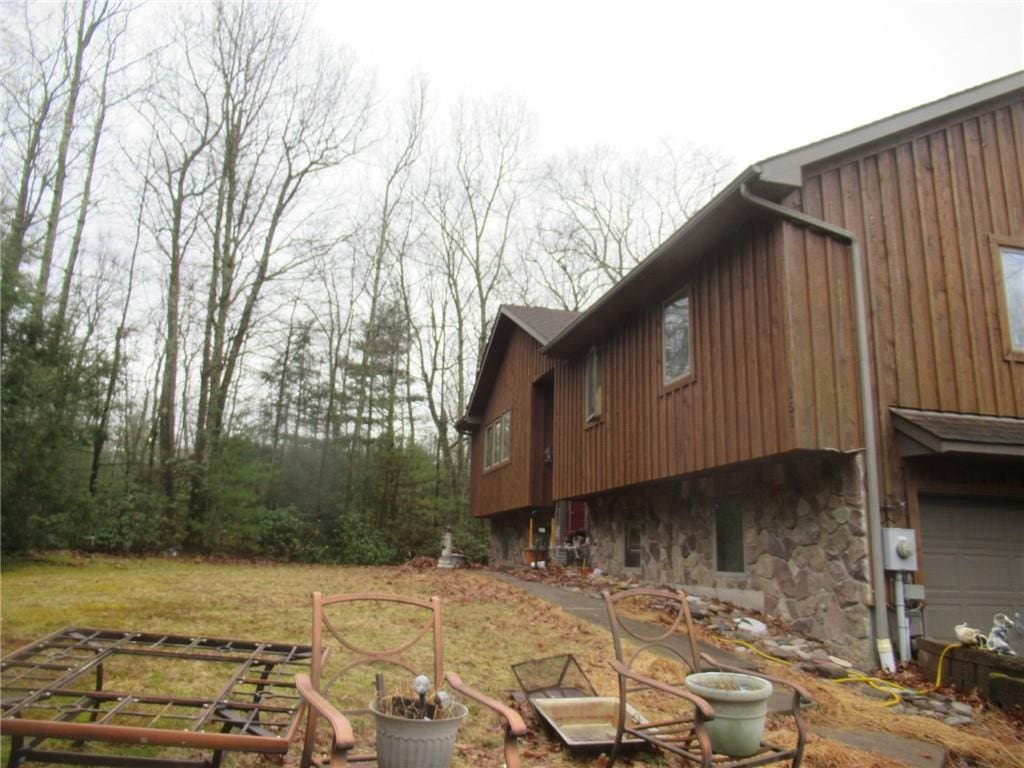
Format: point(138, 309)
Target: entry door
point(973, 560)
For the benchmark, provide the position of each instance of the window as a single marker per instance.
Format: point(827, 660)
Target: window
point(1011, 264)
point(634, 539)
point(675, 339)
point(497, 439)
point(729, 536)
point(593, 393)
point(506, 430)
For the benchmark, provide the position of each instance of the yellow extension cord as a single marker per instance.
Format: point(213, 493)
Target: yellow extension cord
point(854, 676)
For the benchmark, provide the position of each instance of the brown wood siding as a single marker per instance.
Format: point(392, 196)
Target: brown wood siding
point(735, 407)
point(926, 208)
point(507, 486)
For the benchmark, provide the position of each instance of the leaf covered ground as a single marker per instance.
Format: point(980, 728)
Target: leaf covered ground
point(488, 624)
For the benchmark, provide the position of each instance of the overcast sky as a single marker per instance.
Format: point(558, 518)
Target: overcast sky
point(750, 78)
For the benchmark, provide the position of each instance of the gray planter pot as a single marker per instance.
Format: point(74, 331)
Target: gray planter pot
point(741, 706)
point(404, 743)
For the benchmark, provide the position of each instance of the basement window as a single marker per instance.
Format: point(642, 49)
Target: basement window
point(633, 556)
point(728, 524)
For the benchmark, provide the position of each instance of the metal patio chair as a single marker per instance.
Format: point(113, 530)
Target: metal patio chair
point(355, 638)
point(685, 735)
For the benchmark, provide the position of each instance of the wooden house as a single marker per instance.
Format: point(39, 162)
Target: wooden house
point(831, 348)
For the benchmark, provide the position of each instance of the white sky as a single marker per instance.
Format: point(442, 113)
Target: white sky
point(750, 78)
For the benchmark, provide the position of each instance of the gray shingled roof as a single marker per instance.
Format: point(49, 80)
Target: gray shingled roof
point(541, 323)
point(947, 432)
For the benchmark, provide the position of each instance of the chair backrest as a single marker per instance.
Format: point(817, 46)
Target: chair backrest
point(674, 610)
point(358, 635)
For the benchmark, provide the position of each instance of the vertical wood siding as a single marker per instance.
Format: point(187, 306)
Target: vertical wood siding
point(735, 408)
point(772, 319)
point(508, 486)
point(926, 208)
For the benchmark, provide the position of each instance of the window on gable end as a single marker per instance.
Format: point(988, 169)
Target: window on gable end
point(506, 431)
point(488, 443)
point(592, 406)
point(676, 355)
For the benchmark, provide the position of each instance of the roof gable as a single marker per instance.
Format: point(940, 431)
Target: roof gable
point(540, 323)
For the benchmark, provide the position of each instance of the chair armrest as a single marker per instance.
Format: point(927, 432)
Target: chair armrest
point(516, 726)
point(343, 737)
point(706, 710)
point(797, 688)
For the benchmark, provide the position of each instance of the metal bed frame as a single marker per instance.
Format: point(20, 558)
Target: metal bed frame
point(54, 689)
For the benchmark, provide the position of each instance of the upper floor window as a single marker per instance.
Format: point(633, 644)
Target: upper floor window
point(497, 439)
point(1011, 263)
point(593, 385)
point(676, 356)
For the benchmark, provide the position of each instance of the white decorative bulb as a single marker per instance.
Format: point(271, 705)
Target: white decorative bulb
point(421, 684)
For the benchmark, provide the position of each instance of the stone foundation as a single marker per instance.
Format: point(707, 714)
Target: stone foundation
point(805, 545)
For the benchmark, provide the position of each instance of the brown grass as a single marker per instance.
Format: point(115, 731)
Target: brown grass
point(488, 626)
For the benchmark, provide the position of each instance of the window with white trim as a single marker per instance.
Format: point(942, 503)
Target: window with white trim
point(676, 356)
point(593, 386)
point(497, 440)
point(1011, 263)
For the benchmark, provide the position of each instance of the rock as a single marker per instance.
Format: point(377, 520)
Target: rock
point(961, 708)
point(840, 662)
point(958, 720)
point(827, 669)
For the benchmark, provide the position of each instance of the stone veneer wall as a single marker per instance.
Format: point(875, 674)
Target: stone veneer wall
point(805, 542)
point(510, 535)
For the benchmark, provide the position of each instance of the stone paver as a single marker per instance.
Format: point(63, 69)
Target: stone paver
point(918, 754)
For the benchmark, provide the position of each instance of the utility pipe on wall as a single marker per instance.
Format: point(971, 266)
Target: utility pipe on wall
point(868, 408)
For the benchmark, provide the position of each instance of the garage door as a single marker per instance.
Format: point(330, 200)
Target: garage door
point(973, 552)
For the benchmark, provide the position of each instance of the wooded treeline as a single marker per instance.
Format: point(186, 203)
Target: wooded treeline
point(244, 292)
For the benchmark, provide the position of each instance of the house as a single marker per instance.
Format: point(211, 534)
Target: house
point(827, 358)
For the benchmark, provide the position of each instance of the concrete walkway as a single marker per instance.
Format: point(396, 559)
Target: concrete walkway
point(914, 753)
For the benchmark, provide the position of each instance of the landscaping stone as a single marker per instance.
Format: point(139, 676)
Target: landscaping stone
point(958, 720)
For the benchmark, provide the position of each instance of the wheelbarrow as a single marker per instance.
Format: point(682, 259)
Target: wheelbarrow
point(566, 702)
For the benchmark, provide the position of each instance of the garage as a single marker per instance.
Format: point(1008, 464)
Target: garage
point(973, 561)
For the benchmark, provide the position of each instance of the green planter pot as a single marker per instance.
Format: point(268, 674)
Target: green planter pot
point(404, 743)
point(741, 706)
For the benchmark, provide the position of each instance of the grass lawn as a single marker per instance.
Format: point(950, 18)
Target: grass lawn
point(488, 626)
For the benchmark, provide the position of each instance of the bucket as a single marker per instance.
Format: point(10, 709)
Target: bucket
point(741, 706)
point(404, 743)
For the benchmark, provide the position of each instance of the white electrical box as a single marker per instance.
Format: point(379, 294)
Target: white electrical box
point(899, 549)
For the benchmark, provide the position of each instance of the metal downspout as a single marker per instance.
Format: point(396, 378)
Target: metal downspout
point(868, 408)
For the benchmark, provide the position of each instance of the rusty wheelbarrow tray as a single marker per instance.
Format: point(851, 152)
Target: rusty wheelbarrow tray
point(567, 702)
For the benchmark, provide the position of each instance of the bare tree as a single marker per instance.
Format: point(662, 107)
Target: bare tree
point(183, 126)
point(606, 212)
point(289, 112)
point(474, 201)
